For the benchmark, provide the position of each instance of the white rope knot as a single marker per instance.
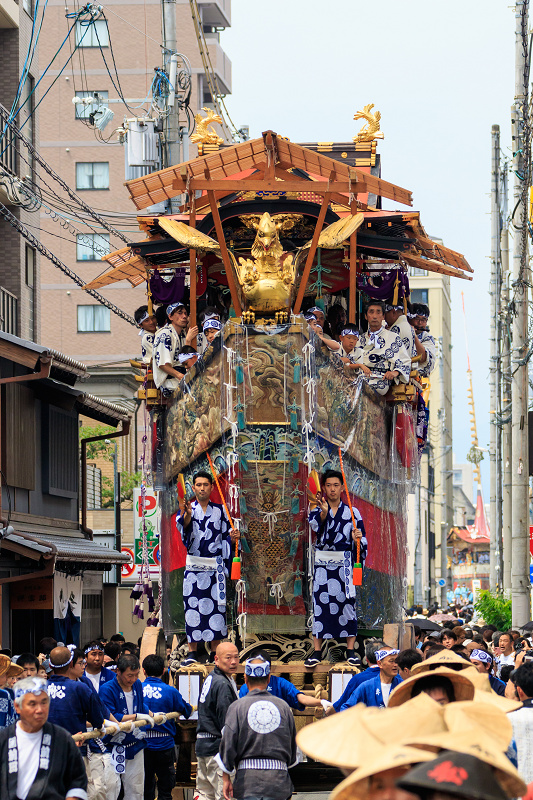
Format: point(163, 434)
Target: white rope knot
point(234, 429)
point(276, 592)
point(270, 517)
point(241, 625)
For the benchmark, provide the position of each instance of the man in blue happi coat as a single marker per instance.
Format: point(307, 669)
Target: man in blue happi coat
point(124, 698)
point(334, 612)
point(95, 671)
point(285, 690)
point(8, 715)
point(369, 674)
point(205, 532)
point(377, 691)
point(484, 663)
point(160, 752)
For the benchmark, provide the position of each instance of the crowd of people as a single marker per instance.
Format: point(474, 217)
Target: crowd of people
point(382, 354)
point(464, 697)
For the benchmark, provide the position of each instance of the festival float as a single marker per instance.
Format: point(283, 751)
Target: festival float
point(269, 228)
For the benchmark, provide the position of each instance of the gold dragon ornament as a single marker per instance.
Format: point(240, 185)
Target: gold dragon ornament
point(204, 134)
point(371, 130)
point(267, 280)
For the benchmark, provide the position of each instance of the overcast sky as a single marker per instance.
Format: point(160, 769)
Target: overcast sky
point(441, 73)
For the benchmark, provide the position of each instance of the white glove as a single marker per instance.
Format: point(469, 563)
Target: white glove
point(109, 726)
point(147, 718)
point(326, 704)
point(162, 718)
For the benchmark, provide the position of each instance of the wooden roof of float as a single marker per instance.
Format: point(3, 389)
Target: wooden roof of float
point(274, 164)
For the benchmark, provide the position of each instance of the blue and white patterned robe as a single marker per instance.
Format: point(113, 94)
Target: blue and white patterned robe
point(383, 351)
point(426, 367)
point(8, 715)
point(147, 346)
point(204, 591)
point(406, 332)
point(167, 344)
point(334, 613)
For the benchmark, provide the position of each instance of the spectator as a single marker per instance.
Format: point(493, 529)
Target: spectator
point(160, 752)
point(30, 665)
point(460, 633)
point(448, 638)
point(430, 648)
point(37, 758)
point(95, 671)
point(7, 706)
point(46, 645)
point(124, 698)
point(111, 655)
point(119, 638)
point(522, 721)
point(258, 740)
point(507, 653)
point(406, 660)
point(444, 686)
point(130, 649)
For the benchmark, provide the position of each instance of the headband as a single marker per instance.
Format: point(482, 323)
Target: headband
point(184, 357)
point(60, 666)
point(389, 307)
point(36, 687)
point(309, 317)
point(314, 309)
point(350, 332)
point(257, 670)
point(145, 316)
point(213, 323)
point(93, 647)
point(381, 654)
point(481, 655)
point(211, 316)
point(410, 315)
point(173, 306)
point(424, 316)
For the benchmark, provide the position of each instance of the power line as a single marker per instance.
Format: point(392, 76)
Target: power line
point(36, 244)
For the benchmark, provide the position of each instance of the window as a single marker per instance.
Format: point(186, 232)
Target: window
point(92, 175)
point(95, 34)
point(60, 452)
point(83, 110)
point(30, 283)
point(419, 296)
point(27, 5)
point(91, 246)
point(94, 319)
point(417, 273)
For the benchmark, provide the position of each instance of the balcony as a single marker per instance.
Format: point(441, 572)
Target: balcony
point(8, 312)
point(9, 14)
point(214, 12)
point(221, 64)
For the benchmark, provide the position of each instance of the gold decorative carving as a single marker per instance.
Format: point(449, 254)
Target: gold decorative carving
point(371, 130)
point(205, 134)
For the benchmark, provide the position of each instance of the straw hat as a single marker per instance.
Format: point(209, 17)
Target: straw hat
point(484, 747)
point(387, 757)
point(445, 658)
point(485, 694)
point(454, 773)
point(462, 686)
point(350, 738)
point(344, 740)
point(479, 716)
point(14, 671)
point(5, 663)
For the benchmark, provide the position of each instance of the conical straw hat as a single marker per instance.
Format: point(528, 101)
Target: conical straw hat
point(446, 658)
point(384, 758)
point(5, 663)
point(462, 686)
point(348, 739)
point(485, 694)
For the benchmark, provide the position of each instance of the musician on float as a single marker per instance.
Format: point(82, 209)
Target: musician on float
point(207, 536)
point(334, 612)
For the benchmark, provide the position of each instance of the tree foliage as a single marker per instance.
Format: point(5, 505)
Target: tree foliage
point(495, 610)
point(128, 482)
point(101, 449)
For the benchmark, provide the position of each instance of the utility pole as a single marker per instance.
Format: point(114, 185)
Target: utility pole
point(418, 596)
point(494, 373)
point(170, 62)
point(507, 477)
point(519, 367)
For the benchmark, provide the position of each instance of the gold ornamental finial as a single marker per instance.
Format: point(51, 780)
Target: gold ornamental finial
point(371, 130)
point(205, 136)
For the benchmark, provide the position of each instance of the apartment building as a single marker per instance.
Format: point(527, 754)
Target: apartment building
point(130, 36)
point(20, 264)
point(430, 509)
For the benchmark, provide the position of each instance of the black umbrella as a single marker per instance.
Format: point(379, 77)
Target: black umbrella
point(528, 626)
point(424, 624)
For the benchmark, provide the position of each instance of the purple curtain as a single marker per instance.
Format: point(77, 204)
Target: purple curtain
point(386, 290)
point(167, 292)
